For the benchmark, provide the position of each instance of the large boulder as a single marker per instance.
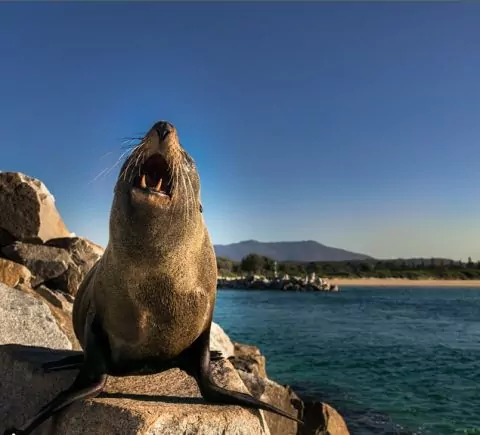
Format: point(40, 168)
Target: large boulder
point(168, 403)
point(322, 419)
point(278, 395)
point(62, 316)
point(60, 263)
point(29, 321)
point(45, 262)
point(319, 418)
point(28, 209)
point(57, 298)
point(83, 255)
point(220, 342)
point(12, 273)
point(249, 359)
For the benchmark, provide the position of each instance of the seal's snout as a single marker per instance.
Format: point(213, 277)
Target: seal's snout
point(162, 138)
point(152, 166)
point(163, 129)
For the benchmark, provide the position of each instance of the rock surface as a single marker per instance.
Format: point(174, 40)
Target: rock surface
point(12, 273)
point(62, 317)
point(284, 398)
point(56, 298)
point(45, 262)
point(220, 342)
point(128, 406)
point(28, 209)
point(249, 359)
point(83, 255)
point(322, 419)
point(29, 321)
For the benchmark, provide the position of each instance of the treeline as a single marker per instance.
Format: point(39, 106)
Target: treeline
point(416, 268)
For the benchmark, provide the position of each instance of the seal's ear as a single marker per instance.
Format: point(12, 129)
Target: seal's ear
point(201, 208)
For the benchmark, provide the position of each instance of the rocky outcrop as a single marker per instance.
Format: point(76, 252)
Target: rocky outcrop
point(62, 317)
point(60, 264)
point(220, 342)
point(29, 321)
point(319, 418)
point(83, 254)
point(322, 419)
point(12, 273)
point(46, 266)
point(278, 395)
point(249, 359)
point(44, 262)
point(28, 209)
point(56, 298)
point(165, 403)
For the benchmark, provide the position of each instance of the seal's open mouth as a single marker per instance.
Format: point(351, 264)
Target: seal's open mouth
point(154, 176)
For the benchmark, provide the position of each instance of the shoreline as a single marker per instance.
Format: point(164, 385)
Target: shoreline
point(403, 282)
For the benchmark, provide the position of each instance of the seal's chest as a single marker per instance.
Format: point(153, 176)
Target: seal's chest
point(160, 324)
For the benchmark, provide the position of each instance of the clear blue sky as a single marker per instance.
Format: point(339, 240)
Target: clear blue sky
point(356, 125)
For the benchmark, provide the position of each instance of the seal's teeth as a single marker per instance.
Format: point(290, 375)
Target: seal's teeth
point(143, 182)
point(158, 186)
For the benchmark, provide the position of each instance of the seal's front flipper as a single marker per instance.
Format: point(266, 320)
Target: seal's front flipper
point(84, 387)
point(68, 363)
point(89, 382)
point(215, 394)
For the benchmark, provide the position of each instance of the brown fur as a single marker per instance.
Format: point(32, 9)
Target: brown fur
point(154, 288)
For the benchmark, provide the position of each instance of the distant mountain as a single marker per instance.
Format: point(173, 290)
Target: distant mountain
point(308, 250)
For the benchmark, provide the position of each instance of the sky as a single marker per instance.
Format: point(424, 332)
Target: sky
point(353, 124)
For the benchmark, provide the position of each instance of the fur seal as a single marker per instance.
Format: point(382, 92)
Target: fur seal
point(147, 304)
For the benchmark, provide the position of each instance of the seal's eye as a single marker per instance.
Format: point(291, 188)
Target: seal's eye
point(155, 176)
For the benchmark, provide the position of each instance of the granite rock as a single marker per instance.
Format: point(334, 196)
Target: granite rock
point(278, 395)
point(249, 359)
point(28, 209)
point(45, 262)
point(29, 321)
point(12, 273)
point(220, 341)
point(164, 403)
point(83, 255)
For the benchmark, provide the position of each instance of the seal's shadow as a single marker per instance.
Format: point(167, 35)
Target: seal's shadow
point(154, 398)
point(35, 356)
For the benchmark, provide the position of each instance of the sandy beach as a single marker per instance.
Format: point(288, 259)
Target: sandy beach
point(400, 282)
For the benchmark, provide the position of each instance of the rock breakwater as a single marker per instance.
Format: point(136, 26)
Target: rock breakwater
point(285, 284)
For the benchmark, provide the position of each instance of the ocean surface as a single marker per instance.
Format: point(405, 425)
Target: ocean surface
point(391, 360)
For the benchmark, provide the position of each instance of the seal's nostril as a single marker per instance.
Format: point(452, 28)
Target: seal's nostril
point(163, 131)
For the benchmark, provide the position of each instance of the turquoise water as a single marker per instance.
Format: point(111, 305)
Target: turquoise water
point(393, 361)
